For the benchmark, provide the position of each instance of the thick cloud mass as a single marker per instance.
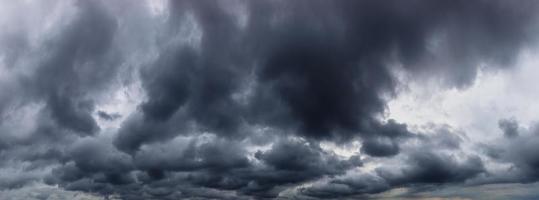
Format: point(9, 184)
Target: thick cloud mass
point(250, 99)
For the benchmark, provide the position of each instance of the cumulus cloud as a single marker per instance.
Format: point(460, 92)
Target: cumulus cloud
point(240, 100)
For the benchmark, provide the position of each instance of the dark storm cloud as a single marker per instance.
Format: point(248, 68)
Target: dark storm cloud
point(286, 164)
point(427, 170)
point(519, 153)
point(196, 155)
point(197, 166)
point(76, 62)
point(321, 69)
point(380, 147)
point(431, 168)
point(223, 166)
point(422, 170)
point(194, 84)
point(168, 88)
point(289, 75)
point(428, 164)
point(509, 127)
point(137, 130)
point(108, 116)
point(295, 162)
point(52, 100)
point(299, 156)
point(383, 140)
point(357, 187)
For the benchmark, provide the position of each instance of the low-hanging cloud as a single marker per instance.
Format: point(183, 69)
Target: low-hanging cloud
point(240, 99)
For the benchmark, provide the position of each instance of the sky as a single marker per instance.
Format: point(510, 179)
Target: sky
point(269, 99)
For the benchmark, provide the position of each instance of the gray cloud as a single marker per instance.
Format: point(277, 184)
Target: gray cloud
point(239, 100)
point(80, 55)
point(509, 127)
point(518, 152)
point(108, 116)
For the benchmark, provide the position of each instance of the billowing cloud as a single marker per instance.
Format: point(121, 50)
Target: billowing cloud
point(252, 99)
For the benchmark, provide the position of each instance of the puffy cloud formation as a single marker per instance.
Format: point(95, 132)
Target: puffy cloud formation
point(250, 99)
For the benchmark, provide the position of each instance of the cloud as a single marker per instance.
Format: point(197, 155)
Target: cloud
point(358, 187)
point(509, 127)
point(198, 165)
point(426, 167)
point(108, 116)
point(416, 170)
point(518, 153)
point(240, 100)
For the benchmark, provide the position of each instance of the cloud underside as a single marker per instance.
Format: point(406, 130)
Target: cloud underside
point(239, 101)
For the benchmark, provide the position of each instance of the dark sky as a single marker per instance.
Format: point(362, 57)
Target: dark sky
point(270, 99)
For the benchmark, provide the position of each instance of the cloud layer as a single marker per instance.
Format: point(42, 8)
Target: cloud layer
point(252, 99)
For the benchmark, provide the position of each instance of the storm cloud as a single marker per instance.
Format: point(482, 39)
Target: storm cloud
point(253, 99)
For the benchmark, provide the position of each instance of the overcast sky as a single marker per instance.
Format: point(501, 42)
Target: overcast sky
point(269, 99)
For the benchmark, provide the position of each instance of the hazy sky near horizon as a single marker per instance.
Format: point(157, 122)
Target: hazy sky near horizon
point(270, 99)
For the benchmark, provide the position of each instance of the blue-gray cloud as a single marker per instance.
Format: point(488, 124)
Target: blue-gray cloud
point(245, 112)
